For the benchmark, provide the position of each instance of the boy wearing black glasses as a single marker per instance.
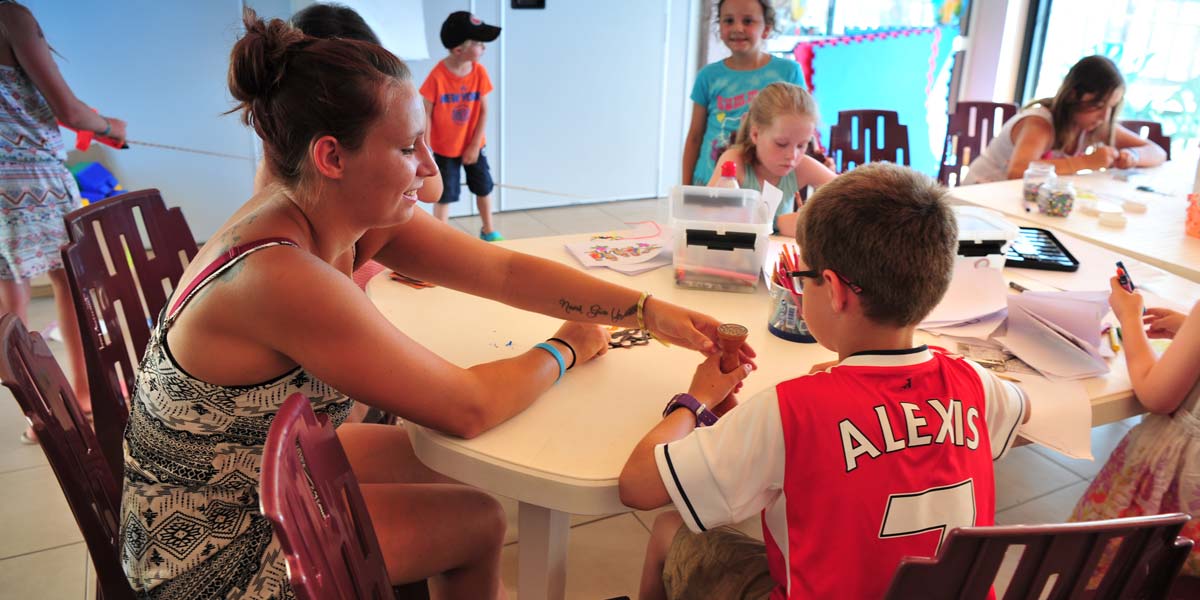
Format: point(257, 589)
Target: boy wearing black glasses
point(865, 460)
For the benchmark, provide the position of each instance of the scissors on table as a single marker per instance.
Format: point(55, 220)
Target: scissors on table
point(628, 338)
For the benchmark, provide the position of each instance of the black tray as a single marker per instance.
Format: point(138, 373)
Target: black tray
point(1037, 248)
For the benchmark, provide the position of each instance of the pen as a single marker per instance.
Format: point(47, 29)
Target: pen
point(1123, 277)
point(1016, 286)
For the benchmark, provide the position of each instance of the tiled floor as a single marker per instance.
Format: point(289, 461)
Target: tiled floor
point(42, 554)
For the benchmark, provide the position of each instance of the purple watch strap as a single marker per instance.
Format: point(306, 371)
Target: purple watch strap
point(704, 416)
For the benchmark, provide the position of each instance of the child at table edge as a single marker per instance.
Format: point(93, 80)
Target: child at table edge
point(946, 419)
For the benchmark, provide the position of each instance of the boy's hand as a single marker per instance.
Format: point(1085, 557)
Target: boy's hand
point(711, 386)
point(1163, 322)
point(1126, 305)
point(470, 155)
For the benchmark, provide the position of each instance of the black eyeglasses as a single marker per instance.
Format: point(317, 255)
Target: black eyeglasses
point(814, 274)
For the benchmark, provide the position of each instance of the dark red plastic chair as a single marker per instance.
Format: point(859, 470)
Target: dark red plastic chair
point(969, 130)
point(1057, 562)
point(1151, 130)
point(29, 370)
point(312, 497)
point(117, 303)
point(863, 136)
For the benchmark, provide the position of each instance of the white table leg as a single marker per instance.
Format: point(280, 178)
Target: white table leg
point(541, 553)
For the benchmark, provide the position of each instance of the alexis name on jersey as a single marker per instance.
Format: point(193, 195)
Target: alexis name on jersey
point(948, 419)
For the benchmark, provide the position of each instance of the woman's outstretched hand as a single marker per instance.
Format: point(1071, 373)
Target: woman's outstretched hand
point(682, 327)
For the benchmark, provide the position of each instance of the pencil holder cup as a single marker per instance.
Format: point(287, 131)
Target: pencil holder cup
point(784, 319)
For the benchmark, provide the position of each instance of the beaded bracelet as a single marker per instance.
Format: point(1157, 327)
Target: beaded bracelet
point(562, 364)
point(107, 127)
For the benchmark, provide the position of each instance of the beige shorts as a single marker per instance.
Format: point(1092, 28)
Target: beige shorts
point(719, 563)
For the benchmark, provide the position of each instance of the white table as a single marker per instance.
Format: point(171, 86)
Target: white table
point(564, 453)
point(1155, 237)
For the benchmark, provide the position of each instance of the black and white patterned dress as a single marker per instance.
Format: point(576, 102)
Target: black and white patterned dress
point(191, 526)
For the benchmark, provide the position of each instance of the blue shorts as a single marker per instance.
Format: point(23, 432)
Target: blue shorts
point(479, 176)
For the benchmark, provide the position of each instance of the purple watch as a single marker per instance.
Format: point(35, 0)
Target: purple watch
point(704, 416)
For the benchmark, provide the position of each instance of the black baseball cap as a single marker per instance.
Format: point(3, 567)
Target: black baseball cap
point(462, 26)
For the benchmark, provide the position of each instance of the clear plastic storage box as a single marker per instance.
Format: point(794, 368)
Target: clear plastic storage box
point(720, 237)
point(984, 233)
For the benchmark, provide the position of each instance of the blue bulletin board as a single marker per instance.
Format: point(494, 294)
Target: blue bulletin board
point(907, 71)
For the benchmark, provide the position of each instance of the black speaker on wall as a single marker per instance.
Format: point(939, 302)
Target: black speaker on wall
point(529, 3)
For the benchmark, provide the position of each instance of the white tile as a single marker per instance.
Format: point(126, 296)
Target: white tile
point(13, 454)
point(577, 219)
point(604, 559)
point(631, 211)
point(34, 513)
point(1053, 507)
point(55, 574)
point(1104, 440)
point(1023, 475)
point(513, 225)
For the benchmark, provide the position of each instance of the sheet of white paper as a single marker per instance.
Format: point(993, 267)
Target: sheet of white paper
point(1060, 416)
point(661, 260)
point(768, 203)
point(606, 253)
point(1048, 350)
point(978, 328)
point(974, 292)
point(1080, 313)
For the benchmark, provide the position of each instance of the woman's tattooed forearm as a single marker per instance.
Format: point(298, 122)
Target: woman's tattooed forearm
point(614, 314)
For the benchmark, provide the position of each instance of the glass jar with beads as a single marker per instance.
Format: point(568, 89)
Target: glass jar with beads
point(1036, 174)
point(1056, 199)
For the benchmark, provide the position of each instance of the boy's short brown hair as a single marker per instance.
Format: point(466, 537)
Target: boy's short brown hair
point(888, 229)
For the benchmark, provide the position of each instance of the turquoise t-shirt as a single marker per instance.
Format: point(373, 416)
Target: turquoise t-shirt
point(726, 95)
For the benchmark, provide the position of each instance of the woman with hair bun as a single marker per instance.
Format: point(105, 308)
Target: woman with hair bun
point(267, 309)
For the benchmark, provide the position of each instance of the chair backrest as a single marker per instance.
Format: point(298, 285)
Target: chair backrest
point(969, 130)
point(1151, 130)
point(863, 136)
point(312, 497)
point(1058, 560)
point(125, 256)
point(29, 370)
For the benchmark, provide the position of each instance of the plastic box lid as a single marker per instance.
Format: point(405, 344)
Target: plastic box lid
point(719, 208)
point(982, 231)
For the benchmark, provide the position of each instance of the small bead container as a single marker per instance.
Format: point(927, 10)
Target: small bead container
point(1056, 199)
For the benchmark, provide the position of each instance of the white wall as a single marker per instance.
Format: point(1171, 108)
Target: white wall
point(993, 50)
point(590, 101)
point(161, 66)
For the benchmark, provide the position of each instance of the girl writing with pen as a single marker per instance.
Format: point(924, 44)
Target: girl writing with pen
point(1156, 467)
point(1061, 129)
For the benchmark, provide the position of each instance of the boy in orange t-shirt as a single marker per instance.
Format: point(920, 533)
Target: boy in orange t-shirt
point(455, 96)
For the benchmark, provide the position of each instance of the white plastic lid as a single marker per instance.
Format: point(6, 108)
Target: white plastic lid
point(979, 225)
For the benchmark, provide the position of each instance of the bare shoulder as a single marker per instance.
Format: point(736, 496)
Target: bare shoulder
point(1032, 127)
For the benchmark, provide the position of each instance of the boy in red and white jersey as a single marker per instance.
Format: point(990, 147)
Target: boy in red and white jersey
point(856, 465)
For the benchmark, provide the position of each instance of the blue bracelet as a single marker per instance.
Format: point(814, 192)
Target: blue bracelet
point(562, 364)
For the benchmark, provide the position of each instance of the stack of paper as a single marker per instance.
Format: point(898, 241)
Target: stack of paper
point(1058, 333)
point(974, 306)
point(629, 252)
